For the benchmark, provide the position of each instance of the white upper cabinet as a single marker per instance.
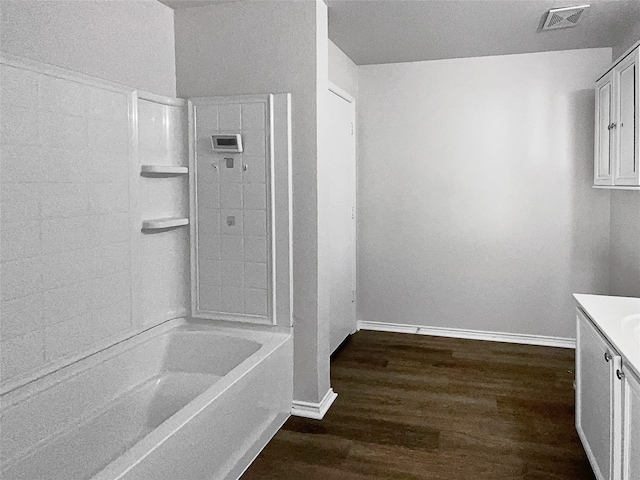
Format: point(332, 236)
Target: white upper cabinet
point(617, 126)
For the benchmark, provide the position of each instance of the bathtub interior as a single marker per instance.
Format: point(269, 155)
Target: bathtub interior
point(157, 379)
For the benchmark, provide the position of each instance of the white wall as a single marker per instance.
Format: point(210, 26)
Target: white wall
point(624, 273)
point(475, 203)
point(129, 42)
point(268, 47)
point(342, 71)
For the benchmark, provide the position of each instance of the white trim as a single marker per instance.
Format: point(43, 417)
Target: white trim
point(59, 72)
point(620, 58)
point(521, 338)
point(313, 410)
point(162, 99)
point(333, 88)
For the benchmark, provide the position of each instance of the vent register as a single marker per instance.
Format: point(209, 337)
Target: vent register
point(563, 17)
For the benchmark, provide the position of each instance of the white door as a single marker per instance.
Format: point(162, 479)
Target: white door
point(341, 158)
point(626, 127)
point(631, 435)
point(603, 134)
point(596, 413)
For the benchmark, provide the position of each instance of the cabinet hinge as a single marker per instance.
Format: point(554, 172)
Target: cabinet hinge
point(351, 128)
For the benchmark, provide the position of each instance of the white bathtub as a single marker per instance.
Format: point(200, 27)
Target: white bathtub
point(183, 401)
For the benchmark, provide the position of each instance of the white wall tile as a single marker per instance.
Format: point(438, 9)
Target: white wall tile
point(21, 316)
point(209, 272)
point(230, 174)
point(255, 249)
point(254, 143)
point(57, 130)
point(209, 222)
point(229, 118)
point(204, 154)
point(19, 240)
point(232, 274)
point(209, 246)
point(106, 136)
point(210, 298)
point(63, 96)
point(232, 300)
point(255, 223)
point(152, 123)
point(20, 278)
point(19, 126)
point(253, 116)
point(67, 337)
point(65, 189)
point(208, 193)
point(255, 301)
point(110, 320)
point(20, 202)
point(109, 229)
point(254, 196)
point(66, 268)
point(231, 222)
point(109, 198)
point(65, 234)
point(108, 105)
point(18, 87)
point(21, 354)
point(231, 248)
point(231, 195)
point(255, 275)
point(71, 301)
point(64, 200)
point(21, 163)
point(206, 119)
point(255, 172)
point(108, 259)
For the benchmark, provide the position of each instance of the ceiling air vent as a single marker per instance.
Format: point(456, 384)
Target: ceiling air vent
point(563, 17)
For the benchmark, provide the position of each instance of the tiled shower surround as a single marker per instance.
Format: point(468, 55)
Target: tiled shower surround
point(232, 228)
point(66, 276)
point(74, 264)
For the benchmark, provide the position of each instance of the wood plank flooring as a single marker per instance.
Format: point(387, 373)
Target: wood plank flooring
point(413, 407)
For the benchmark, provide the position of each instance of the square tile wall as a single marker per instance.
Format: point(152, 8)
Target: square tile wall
point(232, 211)
point(65, 261)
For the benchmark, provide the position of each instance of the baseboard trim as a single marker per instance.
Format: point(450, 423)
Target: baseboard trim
point(521, 338)
point(314, 410)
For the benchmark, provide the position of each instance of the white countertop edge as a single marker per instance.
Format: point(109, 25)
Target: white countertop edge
point(607, 313)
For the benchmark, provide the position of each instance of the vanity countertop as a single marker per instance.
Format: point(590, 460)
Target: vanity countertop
point(618, 318)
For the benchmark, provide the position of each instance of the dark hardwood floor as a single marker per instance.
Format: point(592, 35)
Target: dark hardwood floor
point(414, 407)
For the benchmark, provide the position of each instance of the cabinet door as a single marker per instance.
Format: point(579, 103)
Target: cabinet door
point(625, 129)
point(631, 426)
point(603, 131)
point(595, 407)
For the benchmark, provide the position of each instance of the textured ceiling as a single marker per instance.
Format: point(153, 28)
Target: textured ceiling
point(389, 31)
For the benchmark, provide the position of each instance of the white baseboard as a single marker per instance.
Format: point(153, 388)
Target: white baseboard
point(314, 410)
point(470, 334)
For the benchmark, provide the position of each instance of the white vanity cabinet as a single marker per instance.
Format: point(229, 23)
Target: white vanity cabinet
point(631, 425)
point(617, 125)
point(597, 398)
point(607, 405)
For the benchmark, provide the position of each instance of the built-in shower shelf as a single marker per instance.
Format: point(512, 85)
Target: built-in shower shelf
point(162, 170)
point(158, 224)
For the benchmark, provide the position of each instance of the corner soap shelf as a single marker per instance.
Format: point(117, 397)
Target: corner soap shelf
point(159, 224)
point(162, 171)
